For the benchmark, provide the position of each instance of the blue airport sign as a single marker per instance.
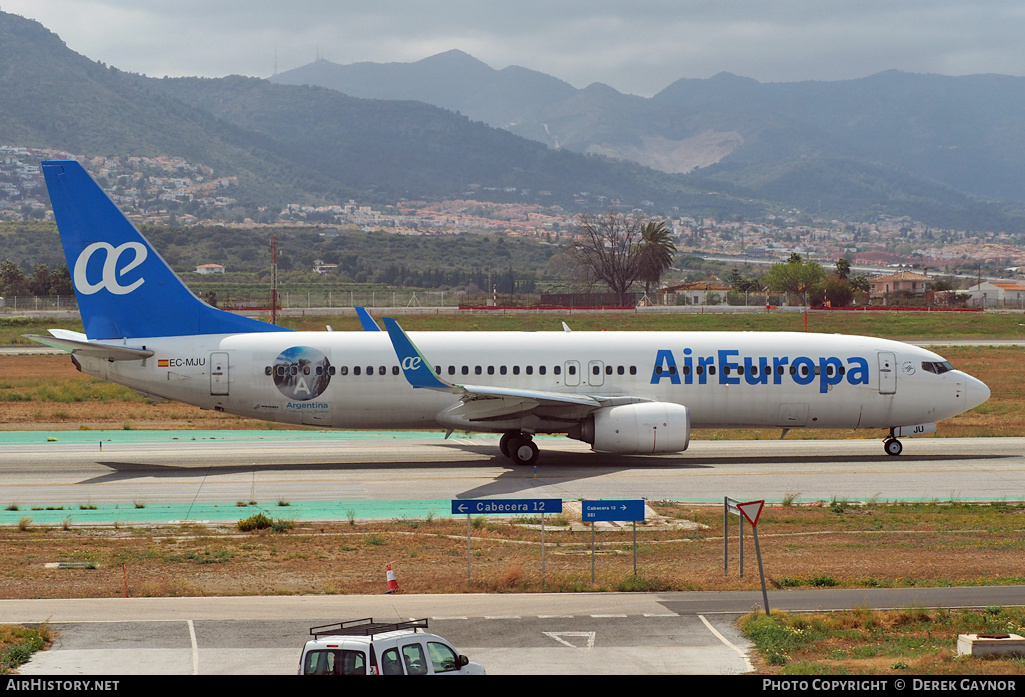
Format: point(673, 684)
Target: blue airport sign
point(611, 510)
point(505, 506)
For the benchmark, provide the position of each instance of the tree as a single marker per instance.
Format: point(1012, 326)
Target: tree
point(656, 251)
point(794, 276)
point(843, 268)
point(13, 281)
point(608, 250)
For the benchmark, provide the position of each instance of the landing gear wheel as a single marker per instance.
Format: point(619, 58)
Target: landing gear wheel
point(522, 450)
point(503, 444)
point(893, 447)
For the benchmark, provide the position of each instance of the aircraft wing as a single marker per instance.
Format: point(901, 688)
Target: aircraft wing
point(478, 401)
point(78, 343)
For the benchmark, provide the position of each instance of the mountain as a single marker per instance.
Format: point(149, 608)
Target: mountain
point(291, 143)
point(452, 80)
point(947, 151)
point(924, 145)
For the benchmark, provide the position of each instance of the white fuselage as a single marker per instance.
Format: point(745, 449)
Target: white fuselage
point(725, 379)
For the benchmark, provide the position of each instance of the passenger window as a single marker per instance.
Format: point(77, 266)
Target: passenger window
point(356, 370)
point(416, 662)
point(370, 370)
point(344, 370)
point(557, 370)
point(541, 370)
point(491, 370)
point(572, 370)
point(516, 370)
point(269, 370)
point(383, 370)
point(620, 370)
point(595, 370)
point(466, 370)
point(451, 370)
point(443, 658)
point(477, 370)
point(529, 369)
point(394, 370)
point(390, 663)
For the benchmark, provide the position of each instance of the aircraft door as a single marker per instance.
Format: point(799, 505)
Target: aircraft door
point(887, 373)
point(595, 373)
point(572, 377)
point(219, 373)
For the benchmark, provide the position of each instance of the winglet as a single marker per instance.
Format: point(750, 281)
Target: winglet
point(416, 368)
point(368, 323)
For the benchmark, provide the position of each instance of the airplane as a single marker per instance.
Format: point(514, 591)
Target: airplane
point(621, 392)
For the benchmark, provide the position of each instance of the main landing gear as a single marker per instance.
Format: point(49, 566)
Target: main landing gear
point(518, 447)
point(892, 446)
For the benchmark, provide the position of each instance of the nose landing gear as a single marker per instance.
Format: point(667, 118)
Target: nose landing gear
point(892, 446)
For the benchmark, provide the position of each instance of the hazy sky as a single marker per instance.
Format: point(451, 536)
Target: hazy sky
point(637, 47)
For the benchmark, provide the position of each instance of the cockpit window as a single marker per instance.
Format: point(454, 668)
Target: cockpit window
point(938, 367)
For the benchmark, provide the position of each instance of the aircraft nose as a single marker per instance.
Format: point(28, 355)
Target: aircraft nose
point(976, 392)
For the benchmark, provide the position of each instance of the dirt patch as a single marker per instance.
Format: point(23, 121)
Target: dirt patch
point(884, 546)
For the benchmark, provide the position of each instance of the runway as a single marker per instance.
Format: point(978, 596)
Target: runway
point(316, 472)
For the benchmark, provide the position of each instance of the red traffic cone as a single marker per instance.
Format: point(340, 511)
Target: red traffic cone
point(393, 585)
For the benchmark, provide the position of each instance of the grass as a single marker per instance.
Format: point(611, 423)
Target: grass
point(17, 644)
point(876, 545)
point(910, 641)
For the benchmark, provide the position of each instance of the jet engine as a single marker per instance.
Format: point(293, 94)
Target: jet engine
point(636, 429)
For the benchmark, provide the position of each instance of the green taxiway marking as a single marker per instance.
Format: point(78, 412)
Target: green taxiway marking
point(155, 513)
point(132, 436)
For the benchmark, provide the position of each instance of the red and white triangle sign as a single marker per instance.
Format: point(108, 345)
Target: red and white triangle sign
point(751, 510)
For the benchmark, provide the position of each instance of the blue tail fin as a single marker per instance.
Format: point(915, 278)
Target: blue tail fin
point(124, 288)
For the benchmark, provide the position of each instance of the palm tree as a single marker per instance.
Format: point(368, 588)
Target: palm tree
point(656, 252)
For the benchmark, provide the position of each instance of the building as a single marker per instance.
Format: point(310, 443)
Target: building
point(909, 283)
point(996, 294)
point(210, 268)
point(696, 293)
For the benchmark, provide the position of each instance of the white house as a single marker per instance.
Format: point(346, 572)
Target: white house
point(210, 268)
point(997, 294)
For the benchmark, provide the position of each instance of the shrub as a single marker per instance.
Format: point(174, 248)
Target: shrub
point(255, 522)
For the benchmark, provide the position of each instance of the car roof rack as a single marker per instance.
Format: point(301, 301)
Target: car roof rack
point(365, 627)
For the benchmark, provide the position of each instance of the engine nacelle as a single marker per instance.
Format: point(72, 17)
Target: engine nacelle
point(637, 429)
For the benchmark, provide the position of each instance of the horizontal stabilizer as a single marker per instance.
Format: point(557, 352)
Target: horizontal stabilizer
point(90, 348)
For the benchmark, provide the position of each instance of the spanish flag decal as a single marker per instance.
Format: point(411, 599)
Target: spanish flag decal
point(163, 363)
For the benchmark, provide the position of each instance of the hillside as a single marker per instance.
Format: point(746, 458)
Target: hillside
point(290, 144)
point(946, 150)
